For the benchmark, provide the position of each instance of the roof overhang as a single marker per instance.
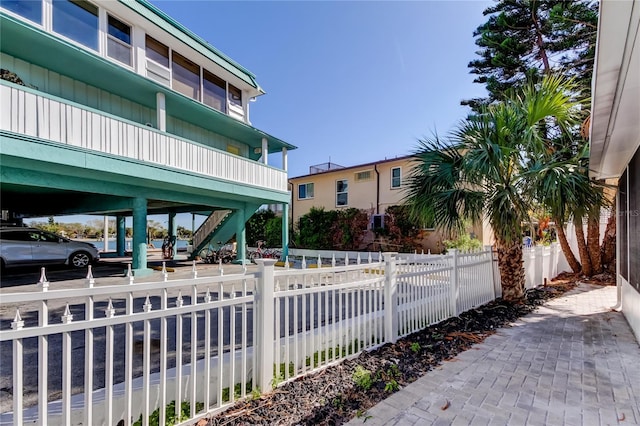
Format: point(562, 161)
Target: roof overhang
point(615, 108)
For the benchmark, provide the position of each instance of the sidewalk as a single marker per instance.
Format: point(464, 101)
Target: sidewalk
point(571, 362)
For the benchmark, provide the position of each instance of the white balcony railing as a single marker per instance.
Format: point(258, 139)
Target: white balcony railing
point(41, 116)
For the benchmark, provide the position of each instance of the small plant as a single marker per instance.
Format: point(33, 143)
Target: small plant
point(362, 378)
point(415, 347)
point(171, 418)
point(277, 379)
point(338, 402)
point(391, 386)
point(393, 370)
point(363, 413)
point(255, 393)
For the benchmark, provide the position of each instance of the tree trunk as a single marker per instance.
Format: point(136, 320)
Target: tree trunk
point(593, 243)
point(511, 270)
point(566, 249)
point(608, 248)
point(583, 251)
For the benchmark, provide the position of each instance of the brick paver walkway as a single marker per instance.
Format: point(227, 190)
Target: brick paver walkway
point(571, 362)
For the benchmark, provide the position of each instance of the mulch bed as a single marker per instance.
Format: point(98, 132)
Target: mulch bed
point(335, 395)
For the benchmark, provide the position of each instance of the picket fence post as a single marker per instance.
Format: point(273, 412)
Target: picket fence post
point(492, 274)
point(390, 298)
point(454, 283)
point(264, 320)
point(538, 265)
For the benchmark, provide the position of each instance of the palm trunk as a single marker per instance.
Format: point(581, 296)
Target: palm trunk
point(566, 249)
point(583, 251)
point(511, 270)
point(608, 248)
point(593, 243)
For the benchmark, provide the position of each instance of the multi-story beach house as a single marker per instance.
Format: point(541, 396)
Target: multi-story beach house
point(113, 108)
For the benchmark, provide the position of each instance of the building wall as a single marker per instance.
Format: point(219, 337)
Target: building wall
point(76, 91)
point(361, 194)
point(629, 242)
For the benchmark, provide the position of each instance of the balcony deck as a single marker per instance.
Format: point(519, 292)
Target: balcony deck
point(39, 115)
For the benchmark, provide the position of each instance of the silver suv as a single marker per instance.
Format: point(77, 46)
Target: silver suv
point(28, 246)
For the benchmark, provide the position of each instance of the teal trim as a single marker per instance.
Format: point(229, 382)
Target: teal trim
point(115, 175)
point(173, 27)
point(36, 46)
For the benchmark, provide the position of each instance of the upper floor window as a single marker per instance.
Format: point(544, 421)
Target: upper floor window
point(119, 40)
point(214, 92)
point(235, 95)
point(77, 20)
point(363, 176)
point(396, 177)
point(185, 76)
point(342, 197)
point(32, 10)
point(157, 51)
point(305, 191)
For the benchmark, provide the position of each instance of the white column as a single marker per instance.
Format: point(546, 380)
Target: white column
point(161, 112)
point(105, 235)
point(265, 314)
point(139, 50)
point(391, 319)
point(285, 165)
point(265, 151)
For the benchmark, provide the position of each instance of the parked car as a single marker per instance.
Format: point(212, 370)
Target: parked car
point(21, 246)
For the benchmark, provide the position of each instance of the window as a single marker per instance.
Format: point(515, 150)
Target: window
point(305, 191)
point(342, 198)
point(186, 77)
point(377, 221)
point(32, 10)
point(157, 52)
point(214, 92)
point(363, 176)
point(119, 40)
point(77, 20)
point(396, 177)
point(235, 96)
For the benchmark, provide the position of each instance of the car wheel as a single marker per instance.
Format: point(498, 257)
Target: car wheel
point(80, 259)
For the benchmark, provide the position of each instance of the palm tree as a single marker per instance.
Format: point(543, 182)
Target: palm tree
point(480, 170)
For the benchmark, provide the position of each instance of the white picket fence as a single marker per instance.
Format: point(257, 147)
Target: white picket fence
point(208, 341)
point(540, 264)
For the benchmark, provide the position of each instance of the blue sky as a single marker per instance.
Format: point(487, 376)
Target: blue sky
point(354, 81)
point(347, 81)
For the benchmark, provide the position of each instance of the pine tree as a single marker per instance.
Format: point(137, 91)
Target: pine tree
point(524, 39)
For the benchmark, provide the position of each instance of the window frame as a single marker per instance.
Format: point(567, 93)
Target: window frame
point(345, 192)
point(40, 24)
point(399, 177)
point(187, 62)
point(115, 39)
point(73, 40)
point(306, 186)
point(357, 178)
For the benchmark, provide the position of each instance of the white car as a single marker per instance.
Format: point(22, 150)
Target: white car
point(21, 246)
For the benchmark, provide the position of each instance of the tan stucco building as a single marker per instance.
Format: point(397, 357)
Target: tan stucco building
point(372, 187)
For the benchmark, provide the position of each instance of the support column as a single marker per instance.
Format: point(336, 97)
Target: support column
point(173, 232)
point(285, 163)
point(105, 235)
point(241, 237)
point(161, 112)
point(121, 235)
point(285, 231)
point(265, 151)
point(139, 262)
